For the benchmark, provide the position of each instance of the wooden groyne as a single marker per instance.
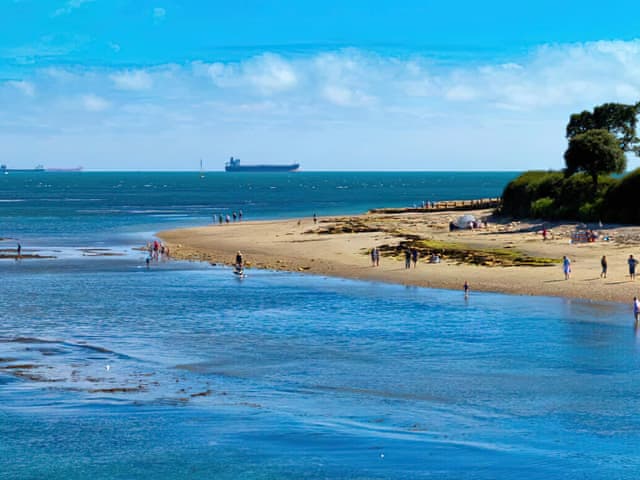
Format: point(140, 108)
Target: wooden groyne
point(444, 206)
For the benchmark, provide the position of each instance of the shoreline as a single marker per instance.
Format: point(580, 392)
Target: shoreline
point(497, 258)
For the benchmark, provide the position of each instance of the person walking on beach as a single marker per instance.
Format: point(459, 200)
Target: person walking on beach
point(407, 258)
point(566, 267)
point(375, 257)
point(632, 267)
point(603, 263)
point(414, 256)
point(636, 309)
point(315, 218)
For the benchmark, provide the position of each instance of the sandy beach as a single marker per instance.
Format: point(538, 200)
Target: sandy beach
point(508, 257)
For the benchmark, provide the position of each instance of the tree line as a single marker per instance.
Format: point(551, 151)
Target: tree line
point(591, 187)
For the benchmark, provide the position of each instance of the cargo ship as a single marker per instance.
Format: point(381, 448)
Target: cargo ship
point(233, 165)
point(4, 169)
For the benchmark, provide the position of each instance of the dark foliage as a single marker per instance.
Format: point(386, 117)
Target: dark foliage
point(622, 203)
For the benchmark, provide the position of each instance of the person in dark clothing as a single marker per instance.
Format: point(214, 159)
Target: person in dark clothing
point(603, 264)
point(407, 258)
point(414, 256)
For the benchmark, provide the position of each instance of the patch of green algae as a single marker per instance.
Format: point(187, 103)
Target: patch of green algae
point(464, 254)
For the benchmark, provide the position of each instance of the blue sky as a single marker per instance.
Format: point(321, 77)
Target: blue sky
point(358, 85)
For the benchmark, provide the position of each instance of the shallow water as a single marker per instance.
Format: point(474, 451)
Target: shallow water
point(109, 370)
point(288, 376)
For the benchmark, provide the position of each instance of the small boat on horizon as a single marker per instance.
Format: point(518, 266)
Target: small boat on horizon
point(38, 168)
point(233, 165)
point(4, 169)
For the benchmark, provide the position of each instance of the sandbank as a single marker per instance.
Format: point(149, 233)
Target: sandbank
point(340, 246)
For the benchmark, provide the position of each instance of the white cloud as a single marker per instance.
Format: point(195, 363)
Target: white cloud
point(70, 6)
point(346, 97)
point(132, 80)
point(94, 103)
point(26, 88)
point(270, 73)
point(159, 13)
point(266, 74)
point(419, 102)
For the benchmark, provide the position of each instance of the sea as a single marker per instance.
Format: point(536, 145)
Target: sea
point(110, 370)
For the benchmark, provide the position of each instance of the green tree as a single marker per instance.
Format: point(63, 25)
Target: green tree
point(617, 118)
point(596, 152)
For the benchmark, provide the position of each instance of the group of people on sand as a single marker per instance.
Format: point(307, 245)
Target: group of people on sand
point(158, 251)
point(235, 216)
point(632, 263)
point(411, 256)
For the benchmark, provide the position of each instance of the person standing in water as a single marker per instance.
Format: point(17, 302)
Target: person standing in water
point(636, 309)
point(466, 288)
point(18, 251)
point(603, 264)
point(239, 260)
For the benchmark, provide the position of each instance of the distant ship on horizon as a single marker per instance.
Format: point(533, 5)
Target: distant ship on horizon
point(233, 165)
point(38, 168)
point(4, 169)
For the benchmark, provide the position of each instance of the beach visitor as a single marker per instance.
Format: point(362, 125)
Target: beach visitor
point(544, 233)
point(603, 264)
point(466, 288)
point(18, 251)
point(239, 261)
point(147, 261)
point(220, 219)
point(315, 218)
point(632, 267)
point(235, 216)
point(636, 309)
point(566, 267)
point(240, 215)
point(227, 219)
point(375, 257)
point(414, 256)
point(407, 258)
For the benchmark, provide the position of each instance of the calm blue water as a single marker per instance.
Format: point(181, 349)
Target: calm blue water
point(108, 370)
point(108, 208)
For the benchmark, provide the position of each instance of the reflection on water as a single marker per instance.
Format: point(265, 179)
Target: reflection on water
point(113, 371)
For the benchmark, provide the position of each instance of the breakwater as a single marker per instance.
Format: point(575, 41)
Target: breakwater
point(447, 205)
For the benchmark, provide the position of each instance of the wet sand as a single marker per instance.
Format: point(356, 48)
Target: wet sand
point(340, 246)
